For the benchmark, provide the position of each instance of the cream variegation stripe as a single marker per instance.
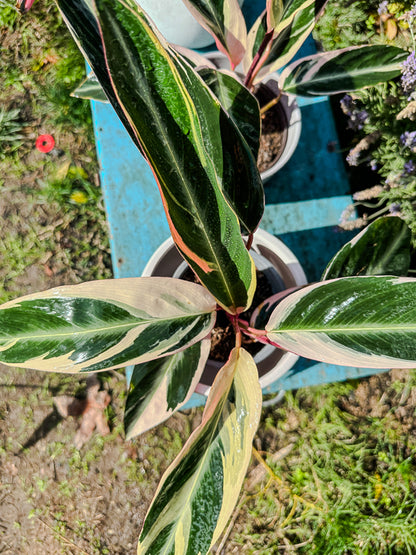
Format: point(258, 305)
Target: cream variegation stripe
point(146, 302)
point(317, 340)
point(246, 382)
point(288, 18)
point(142, 296)
point(227, 431)
point(155, 408)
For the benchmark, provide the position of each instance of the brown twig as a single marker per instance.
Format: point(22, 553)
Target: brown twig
point(69, 542)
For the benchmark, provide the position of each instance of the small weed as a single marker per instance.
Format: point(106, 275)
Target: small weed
point(10, 131)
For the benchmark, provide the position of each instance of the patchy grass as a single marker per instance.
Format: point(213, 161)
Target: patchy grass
point(339, 470)
point(333, 467)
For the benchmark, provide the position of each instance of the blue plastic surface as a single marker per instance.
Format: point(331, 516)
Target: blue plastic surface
point(303, 205)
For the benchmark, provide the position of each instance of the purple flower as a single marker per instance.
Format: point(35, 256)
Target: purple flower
point(373, 165)
point(394, 208)
point(382, 7)
point(409, 167)
point(410, 15)
point(347, 104)
point(408, 139)
point(409, 73)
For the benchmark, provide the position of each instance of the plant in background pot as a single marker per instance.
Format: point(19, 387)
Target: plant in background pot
point(256, 56)
point(271, 45)
point(213, 199)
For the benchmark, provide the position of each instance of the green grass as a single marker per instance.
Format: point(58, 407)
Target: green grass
point(53, 203)
point(346, 486)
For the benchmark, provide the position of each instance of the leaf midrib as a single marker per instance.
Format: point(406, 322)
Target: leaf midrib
point(357, 329)
point(105, 330)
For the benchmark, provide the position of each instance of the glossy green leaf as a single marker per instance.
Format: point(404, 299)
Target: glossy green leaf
point(161, 387)
point(90, 89)
point(104, 324)
point(225, 21)
point(367, 322)
point(244, 109)
point(188, 140)
point(342, 70)
point(198, 492)
point(382, 248)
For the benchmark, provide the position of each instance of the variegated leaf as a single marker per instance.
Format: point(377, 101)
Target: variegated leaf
point(262, 313)
point(161, 387)
point(225, 21)
point(244, 109)
point(342, 70)
point(290, 36)
point(367, 322)
point(187, 139)
point(382, 248)
point(290, 32)
point(90, 89)
point(274, 11)
point(199, 490)
point(104, 324)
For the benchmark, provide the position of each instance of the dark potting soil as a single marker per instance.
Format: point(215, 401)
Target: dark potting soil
point(273, 131)
point(222, 335)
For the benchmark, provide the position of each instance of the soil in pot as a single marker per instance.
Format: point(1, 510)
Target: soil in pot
point(222, 335)
point(274, 127)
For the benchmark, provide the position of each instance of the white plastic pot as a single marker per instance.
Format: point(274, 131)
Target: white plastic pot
point(176, 23)
point(282, 268)
point(291, 115)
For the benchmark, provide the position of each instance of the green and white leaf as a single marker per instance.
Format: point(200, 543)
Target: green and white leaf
point(288, 41)
point(225, 21)
point(290, 32)
point(90, 89)
point(104, 324)
point(244, 109)
point(365, 322)
point(161, 387)
point(342, 70)
point(198, 492)
point(274, 11)
point(187, 139)
point(382, 248)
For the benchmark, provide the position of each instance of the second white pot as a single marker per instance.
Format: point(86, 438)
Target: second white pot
point(176, 23)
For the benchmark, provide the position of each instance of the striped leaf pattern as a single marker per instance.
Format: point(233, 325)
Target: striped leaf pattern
point(162, 386)
point(289, 40)
point(382, 248)
point(342, 70)
point(296, 22)
point(187, 139)
point(199, 490)
point(104, 324)
point(274, 11)
point(367, 322)
point(225, 21)
point(243, 108)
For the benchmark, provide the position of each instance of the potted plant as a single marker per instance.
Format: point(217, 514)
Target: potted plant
point(257, 58)
point(278, 269)
point(213, 199)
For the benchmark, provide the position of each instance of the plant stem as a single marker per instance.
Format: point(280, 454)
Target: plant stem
point(255, 64)
point(249, 241)
point(270, 104)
